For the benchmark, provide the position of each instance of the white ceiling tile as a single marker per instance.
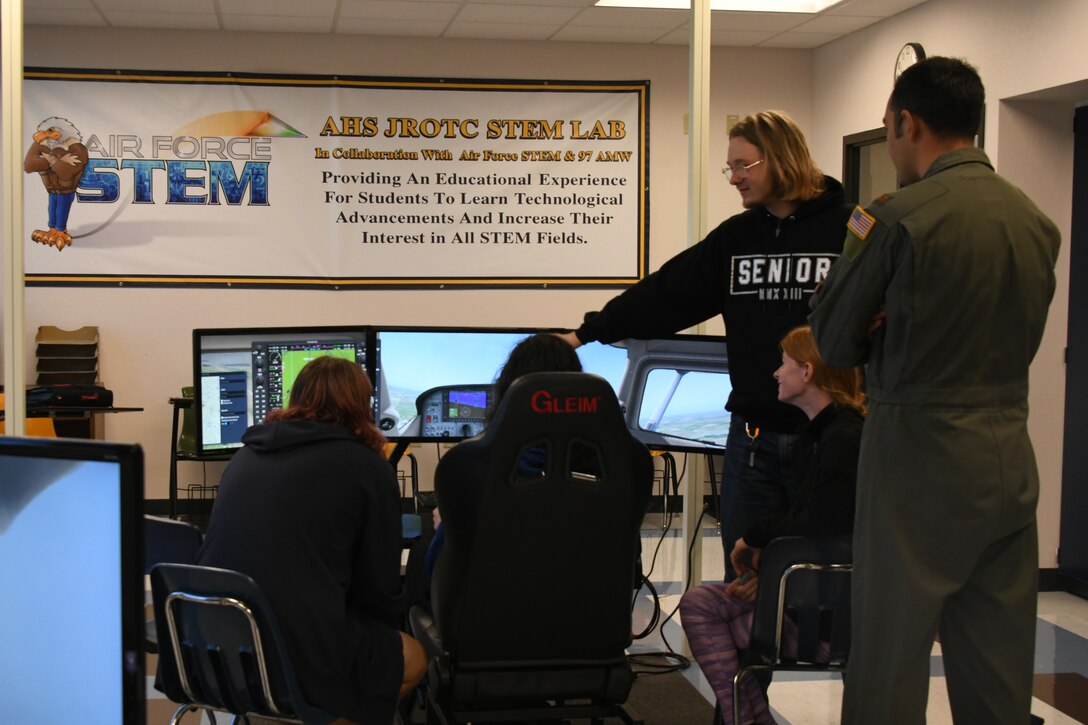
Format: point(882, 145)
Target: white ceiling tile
point(398, 10)
point(739, 39)
point(76, 18)
point(494, 13)
point(840, 24)
point(165, 21)
point(631, 18)
point(404, 28)
point(292, 8)
point(81, 5)
point(733, 38)
point(500, 31)
point(589, 34)
point(276, 24)
point(157, 6)
point(548, 3)
point(728, 20)
point(883, 8)
point(574, 20)
point(798, 40)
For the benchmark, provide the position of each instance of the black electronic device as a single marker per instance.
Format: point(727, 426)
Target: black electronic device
point(71, 551)
point(240, 375)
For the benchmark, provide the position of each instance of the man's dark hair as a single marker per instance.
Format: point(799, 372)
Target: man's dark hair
point(946, 93)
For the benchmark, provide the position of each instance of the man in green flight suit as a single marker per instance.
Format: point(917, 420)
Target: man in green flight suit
point(943, 289)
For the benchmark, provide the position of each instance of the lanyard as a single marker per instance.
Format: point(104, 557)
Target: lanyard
point(753, 444)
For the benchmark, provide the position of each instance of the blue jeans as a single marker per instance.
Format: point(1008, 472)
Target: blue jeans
point(755, 488)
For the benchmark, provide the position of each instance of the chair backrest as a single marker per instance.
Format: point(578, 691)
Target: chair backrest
point(546, 504)
point(220, 645)
point(806, 580)
point(170, 541)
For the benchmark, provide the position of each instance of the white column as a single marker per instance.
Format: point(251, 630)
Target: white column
point(698, 165)
point(11, 66)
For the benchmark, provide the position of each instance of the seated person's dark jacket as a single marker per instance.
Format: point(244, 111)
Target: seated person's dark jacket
point(825, 503)
point(313, 516)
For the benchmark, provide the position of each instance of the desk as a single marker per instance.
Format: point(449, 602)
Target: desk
point(71, 414)
point(72, 411)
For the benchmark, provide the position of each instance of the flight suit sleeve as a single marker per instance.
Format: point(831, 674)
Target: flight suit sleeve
point(853, 293)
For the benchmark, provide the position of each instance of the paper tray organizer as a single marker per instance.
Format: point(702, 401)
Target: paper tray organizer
point(67, 356)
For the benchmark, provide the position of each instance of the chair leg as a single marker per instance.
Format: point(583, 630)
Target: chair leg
point(181, 711)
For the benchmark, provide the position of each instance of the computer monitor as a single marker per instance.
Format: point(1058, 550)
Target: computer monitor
point(674, 392)
point(435, 383)
point(240, 375)
point(71, 553)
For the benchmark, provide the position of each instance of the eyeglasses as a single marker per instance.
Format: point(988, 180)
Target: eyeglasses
point(740, 170)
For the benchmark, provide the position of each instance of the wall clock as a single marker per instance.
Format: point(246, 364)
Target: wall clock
point(910, 54)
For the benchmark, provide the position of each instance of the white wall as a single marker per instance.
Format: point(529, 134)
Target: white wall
point(1019, 49)
point(145, 333)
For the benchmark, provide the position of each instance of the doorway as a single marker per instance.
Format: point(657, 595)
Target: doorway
point(867, 168)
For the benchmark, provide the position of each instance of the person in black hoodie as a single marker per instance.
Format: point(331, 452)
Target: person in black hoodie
point(717, 618)
point(757, 270)
point(311, 510)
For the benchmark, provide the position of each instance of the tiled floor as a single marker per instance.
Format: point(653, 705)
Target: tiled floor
point(1061, 658)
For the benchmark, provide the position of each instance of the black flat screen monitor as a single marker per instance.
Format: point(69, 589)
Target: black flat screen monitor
point(435, 384)
point(72, 610)
point(242, 374)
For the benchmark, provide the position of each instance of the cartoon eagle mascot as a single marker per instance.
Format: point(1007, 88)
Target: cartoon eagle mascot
point(58, 154)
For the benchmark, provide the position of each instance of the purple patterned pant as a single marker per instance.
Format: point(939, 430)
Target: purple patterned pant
point(718, 627)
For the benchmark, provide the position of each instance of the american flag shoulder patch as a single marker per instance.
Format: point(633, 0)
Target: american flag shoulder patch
point(861, 223)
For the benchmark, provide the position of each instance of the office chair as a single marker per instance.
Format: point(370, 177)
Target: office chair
point(804, 584)
point(167, 541)
point(532, 593)
point(222, 650)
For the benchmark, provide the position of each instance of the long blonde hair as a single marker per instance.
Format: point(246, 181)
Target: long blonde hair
point(842, 384)
point(794, 175)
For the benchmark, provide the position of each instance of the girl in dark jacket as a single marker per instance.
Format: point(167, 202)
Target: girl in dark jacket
point(310, 509)
point(717, 618)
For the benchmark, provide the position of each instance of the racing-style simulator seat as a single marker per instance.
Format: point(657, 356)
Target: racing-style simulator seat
point(542, 509)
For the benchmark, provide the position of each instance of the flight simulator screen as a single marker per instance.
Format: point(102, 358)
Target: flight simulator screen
point(241, 375)
point(435, 384)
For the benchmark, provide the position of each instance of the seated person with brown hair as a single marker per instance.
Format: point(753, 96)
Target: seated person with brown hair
point(310, 509)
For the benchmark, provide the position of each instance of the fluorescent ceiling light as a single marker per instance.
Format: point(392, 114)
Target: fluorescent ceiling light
point(749, 6)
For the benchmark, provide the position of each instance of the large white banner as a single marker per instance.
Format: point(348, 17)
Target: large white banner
point(242, 180)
